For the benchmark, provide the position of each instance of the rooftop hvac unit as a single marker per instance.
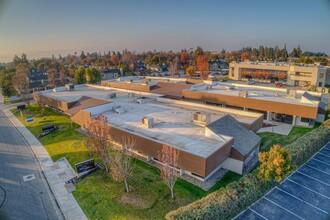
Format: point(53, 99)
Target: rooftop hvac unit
point(202, 118)
point(131, 94)
point(145, 82)
point(118, 109)
point(147, 122)
point(243, 94)
point(112, 95)
point(69, 86)
point(140, 101)
point(291, 93)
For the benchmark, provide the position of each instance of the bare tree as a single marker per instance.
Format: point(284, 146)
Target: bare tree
point(51, 77)
point(21, 82)
point(174, 66)
point(121, 164)
point(40, 104)
point(169, 157)
point(99, 137)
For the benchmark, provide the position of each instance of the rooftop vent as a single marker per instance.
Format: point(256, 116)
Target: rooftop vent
point(131, 94)
point(69, 87)
point(145, 82)
point(202, 118)
point(209, 87)
point(147, 122)
point(291, 93)
point(139, 100)
point(111, 95)
point(128, 80)
point(118, 109)
point(243, 94)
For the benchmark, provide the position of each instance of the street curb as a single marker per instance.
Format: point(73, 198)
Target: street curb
point(65, 200)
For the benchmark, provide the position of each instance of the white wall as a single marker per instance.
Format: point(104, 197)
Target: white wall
point(233, 165)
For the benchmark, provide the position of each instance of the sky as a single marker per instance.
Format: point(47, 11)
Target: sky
point(41, 28)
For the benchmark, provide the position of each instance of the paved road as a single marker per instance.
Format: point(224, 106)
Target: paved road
point(29, 199)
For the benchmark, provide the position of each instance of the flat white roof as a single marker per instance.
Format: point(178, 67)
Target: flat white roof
point(254, 92)
point(174, 124)
point(99, 92)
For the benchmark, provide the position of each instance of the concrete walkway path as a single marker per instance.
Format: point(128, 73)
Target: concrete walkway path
point(66, 201)
point(283, 129)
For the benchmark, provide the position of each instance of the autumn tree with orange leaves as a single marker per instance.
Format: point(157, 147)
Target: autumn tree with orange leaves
point(99, 137)
point(203, 66)
point(275, 164)
point(169, 157)
point(114, 59)
point(190, 71)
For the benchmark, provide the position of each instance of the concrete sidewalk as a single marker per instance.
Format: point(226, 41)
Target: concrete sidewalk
point(283, 129)
point(65, 200)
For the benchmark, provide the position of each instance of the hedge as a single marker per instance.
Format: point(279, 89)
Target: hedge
point(306, 146)
point(229, 201)
point(226, 202)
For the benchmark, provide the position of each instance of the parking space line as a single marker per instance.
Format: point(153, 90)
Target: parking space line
point(258, 214)
point(301, 200)
point(282, 207)
point(309, 189)
point(312, 178)
point(316, 169)
point(320, 161)
point(324, 154)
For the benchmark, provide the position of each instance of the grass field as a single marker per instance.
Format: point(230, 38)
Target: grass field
point(98, 195)
point(269, 139)
point(6, 102)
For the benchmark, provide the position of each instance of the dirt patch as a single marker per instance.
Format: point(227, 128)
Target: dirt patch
point(134, 200)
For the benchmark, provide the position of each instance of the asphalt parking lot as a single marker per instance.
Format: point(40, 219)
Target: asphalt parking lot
point(305, 194)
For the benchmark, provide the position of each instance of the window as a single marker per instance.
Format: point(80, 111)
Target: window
point(321, 75)
point(320, 84)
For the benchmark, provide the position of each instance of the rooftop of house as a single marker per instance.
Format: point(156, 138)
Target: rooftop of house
point(173, 122)
point(257, 92)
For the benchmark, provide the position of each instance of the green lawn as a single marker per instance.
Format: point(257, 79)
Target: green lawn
point(6, 102)
point(98, 195)
point(269, 139)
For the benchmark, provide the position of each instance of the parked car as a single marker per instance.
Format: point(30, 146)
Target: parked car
point(279, 84)
point(251, 82)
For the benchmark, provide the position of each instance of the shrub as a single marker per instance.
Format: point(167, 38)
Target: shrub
point(275, 164)
point(306, 146)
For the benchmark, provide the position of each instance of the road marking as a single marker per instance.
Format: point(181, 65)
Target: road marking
point(321, 161)
point(309, 189)
point(313, 178)
point(301, 200)
point(317, 169)
point(324, 154)
point(282, 207)
point(258, 213)
point(28, 177)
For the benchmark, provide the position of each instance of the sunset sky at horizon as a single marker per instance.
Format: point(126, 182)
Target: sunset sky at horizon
point(43, 27)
